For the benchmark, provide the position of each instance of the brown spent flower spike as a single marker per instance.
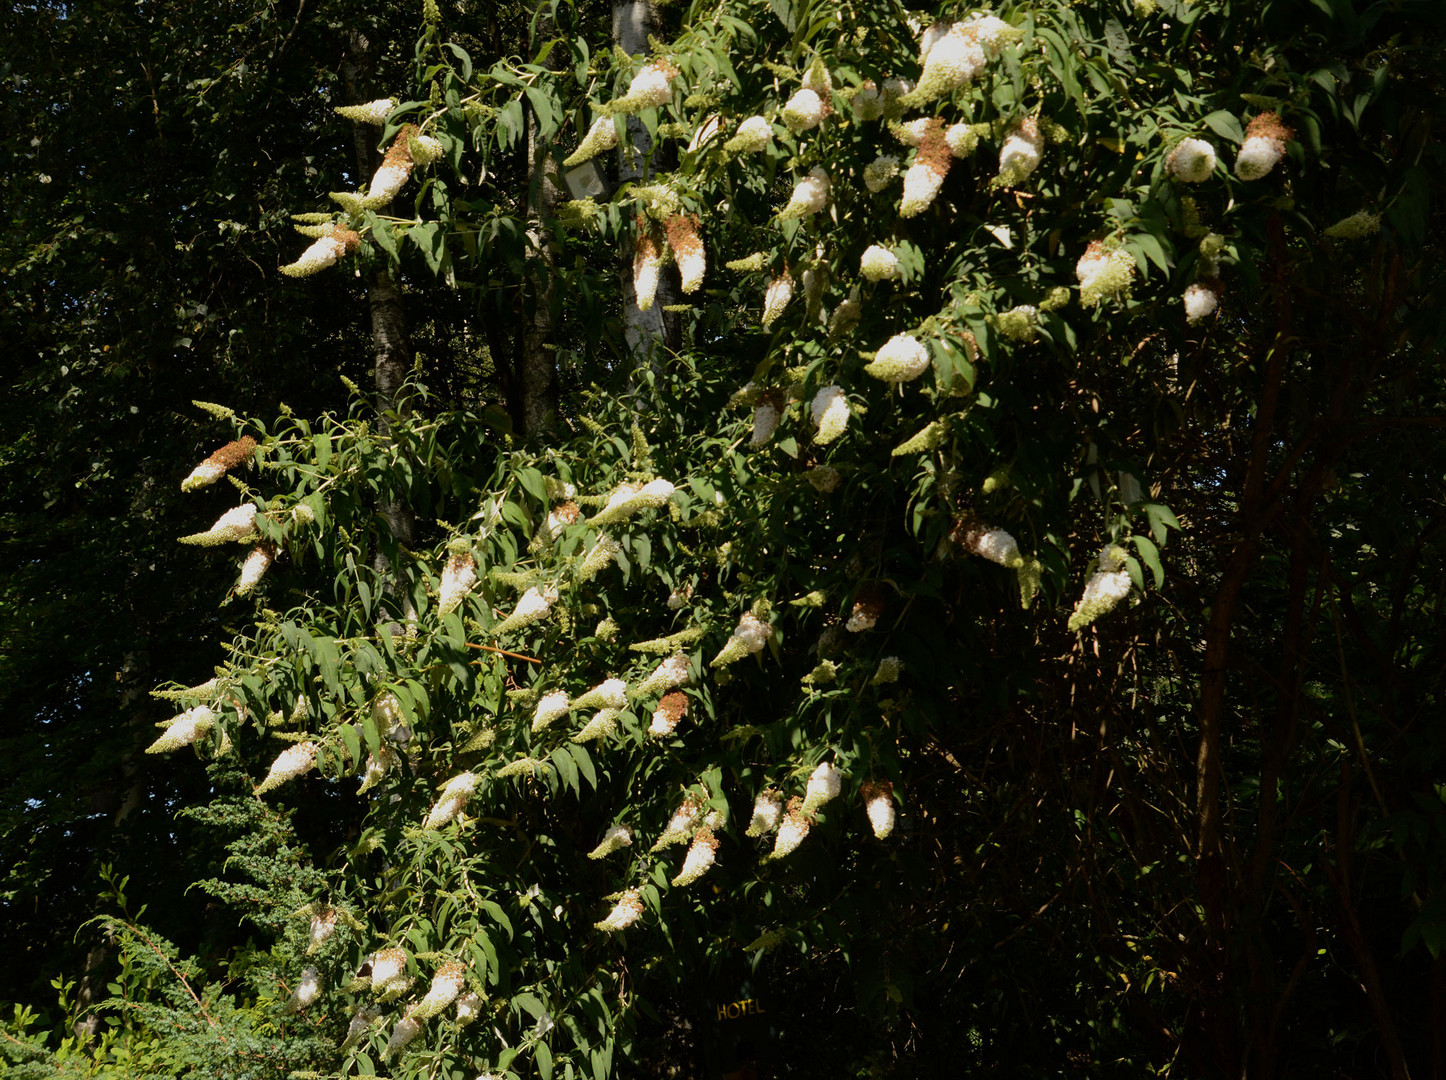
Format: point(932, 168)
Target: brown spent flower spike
point(688, 250)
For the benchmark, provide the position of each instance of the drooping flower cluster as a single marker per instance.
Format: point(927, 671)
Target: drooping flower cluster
point(804, 111)
point(453, 798)
point(682, 824)
point(373, 112)
point(767, 809)
point(823, 786)
point(830, 412)
point(608, 694)
point(183, 730)
point(629, 499)
point(1021, 153)
point(1104, 274)
point(1358, 226)
point(699, 859)
point(651, 87)
point(308, 989)
point(887, 671)
point(323, 926)
point(535, 605)
point(671, 673)
point(996, 545)
point(446, 985)
point(810, 195)
point(394, 171)
point(1191, 162)
point(458, 577)
point(766, 415)
point(879, 806)
point(1107, 586)
point(403, 1033)
point(1019, 324)
point(553, 705)
point(616, 838)
point(292, 762)
point(671, 709)
point(234, 453)
point(389, 970)
point(1264, 146)
point(750, 636)
point(235, 526)
point(753, 135)
point(599, 556)
point(255, 567)
point(603, 723)
point(776, 298)
point(952, 57)
point(323, 252)
point(930, 166)
point(624, 913)
point(647, 265)
point(688, 250)
point(793, 831)
point(601, 137)
point(902, 359)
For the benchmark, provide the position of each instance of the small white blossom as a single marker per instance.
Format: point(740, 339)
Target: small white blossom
point(767, 809)
point(810, 195)
point(608, 694)
point(458, 577)
point(602, 136)
point(534, 605)
point(373, 112)
point(1021, 153)
point(184, 730)
point(1191, 162)
point(616, 838)
point(671, 673)
point(791, 833)
point(750, 636)
point(879, 806)
point(234, 526)
point(553, 705)
point(753, 135)
point(804, 111)
point(878, 263)
point(880, 171)
point(823, 786)
point(699, 859)
point(292, 762)
point(405, 1031)
point(446, 985)
point(307, 990)
point(997, 546)
point(765, 423)
point(624, 913)
point(1200, 302)
point(776, 298)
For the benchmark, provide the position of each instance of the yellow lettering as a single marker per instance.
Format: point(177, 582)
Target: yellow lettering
point(722, 1012)
point(734, 1011)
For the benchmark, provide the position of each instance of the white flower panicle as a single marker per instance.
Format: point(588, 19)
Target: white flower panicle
point(629, 499)
point(235, 526)
point(1020, 323)
point(469, 1007)
point(767, 809)
point(292, 762)
point(647, 267)
point(458, 577)
point(880, 171)
point(699, 859)
point(753, 135)
point(323, 926)
point(600, 555)
point(1104, 275)
point(403, 1033)
point(373, 112)
point(887, 671)
point(624, 913)
point(608, 694)
point(951, 59)
point(902, 359)
point(393, 172)
point(792, 832)
point(615, 839)
point(996, 545)
point(651, 87)
point(534, 605)
point(389, 968)
point(846, 316)
point(810, 195)
point(992, 32)
point(453, 798)
point(377, 767)
point(425, 150)
point(603, 723)
point(446, 985)
point(672, 672)
point(817, 78)
point(878, 263)
point(1107, 586)
point(688, 250)
point(183, 730)
point(750, 636)
point(765, 423)
point(804, 111)
point(234, 453)
point(255, 567)
point(830, 412)
point(308, 989)
point(776, 298)
point(1200, 302)
point(671, 709)
point(925, 177)
point(554, 704)
point(1358, 226)
point(1264, 146)
point(1021, 153)
point(1191, 162)
point(879, 806)
point(682, 824)
point(823, 786)
point(601, 137)
point(865, 614)
point(867, 103)
point(360, 1024)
